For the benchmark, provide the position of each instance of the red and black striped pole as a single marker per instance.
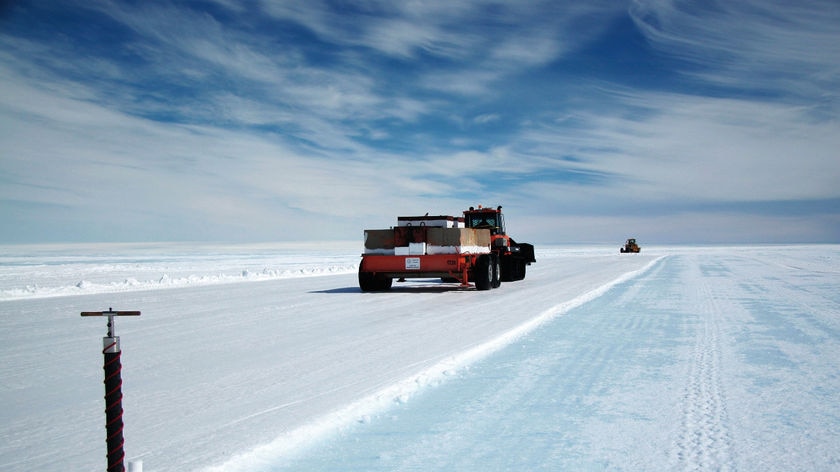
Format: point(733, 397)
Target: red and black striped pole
point(113, 390)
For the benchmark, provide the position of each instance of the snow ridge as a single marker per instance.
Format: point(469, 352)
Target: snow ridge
point(262, 457)
point(130, 284)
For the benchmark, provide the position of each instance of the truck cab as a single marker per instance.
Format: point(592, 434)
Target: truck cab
point(512, 257)
point(485, 218)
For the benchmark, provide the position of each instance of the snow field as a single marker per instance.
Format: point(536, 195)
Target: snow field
point(677, 358)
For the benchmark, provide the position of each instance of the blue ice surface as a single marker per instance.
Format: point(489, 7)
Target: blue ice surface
point(703, 362)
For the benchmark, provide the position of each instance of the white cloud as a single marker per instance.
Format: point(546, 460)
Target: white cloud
point(486, 118)
point(216, 182)
point(701, 149)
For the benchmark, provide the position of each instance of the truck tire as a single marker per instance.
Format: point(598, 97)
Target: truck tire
point(507, 269)
point(513, 269)
point(371, 282)
point(522, 269)
point(496, 282)
point(483, 272)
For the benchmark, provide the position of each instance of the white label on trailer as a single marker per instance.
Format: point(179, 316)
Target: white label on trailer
point(412, 263)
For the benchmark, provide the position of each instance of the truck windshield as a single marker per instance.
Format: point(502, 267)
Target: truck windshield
point(483, 221)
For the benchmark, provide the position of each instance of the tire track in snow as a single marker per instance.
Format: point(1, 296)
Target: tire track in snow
point(704, 441)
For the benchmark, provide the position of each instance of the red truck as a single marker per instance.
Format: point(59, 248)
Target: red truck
point(472, 248)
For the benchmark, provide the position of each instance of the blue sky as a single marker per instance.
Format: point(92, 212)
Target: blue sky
point(669, 121)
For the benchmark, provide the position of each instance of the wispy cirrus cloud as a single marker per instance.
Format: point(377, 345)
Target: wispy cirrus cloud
point(780, 47)
point(698, 148)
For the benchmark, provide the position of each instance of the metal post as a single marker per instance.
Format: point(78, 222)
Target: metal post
point(113, 390)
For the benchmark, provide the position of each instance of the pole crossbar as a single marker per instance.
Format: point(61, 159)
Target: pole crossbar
point(110, 313)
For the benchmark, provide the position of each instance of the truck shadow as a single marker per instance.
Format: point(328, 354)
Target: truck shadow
point(415, 286)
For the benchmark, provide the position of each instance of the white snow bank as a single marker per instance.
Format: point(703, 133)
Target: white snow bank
point(31, 272)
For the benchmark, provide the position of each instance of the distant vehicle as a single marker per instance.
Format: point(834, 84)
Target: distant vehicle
point(473, 248)
point(630, 246)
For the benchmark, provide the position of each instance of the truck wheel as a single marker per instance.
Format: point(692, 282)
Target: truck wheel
point(496, 282)
point(370, 282)
point(483, 272)
point(516, 270)
point(367, 282)
point(383, 283)
point(507, 268)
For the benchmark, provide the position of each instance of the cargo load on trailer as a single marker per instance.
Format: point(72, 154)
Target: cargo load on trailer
point(473, 248)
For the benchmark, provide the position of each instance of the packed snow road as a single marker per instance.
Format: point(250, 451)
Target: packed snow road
point(677, 358)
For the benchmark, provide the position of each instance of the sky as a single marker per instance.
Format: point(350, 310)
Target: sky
point(258, 121)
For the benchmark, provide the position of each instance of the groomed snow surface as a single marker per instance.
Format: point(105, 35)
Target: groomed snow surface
point(269, 358)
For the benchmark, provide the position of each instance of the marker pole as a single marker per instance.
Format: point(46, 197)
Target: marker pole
point(113, 390)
